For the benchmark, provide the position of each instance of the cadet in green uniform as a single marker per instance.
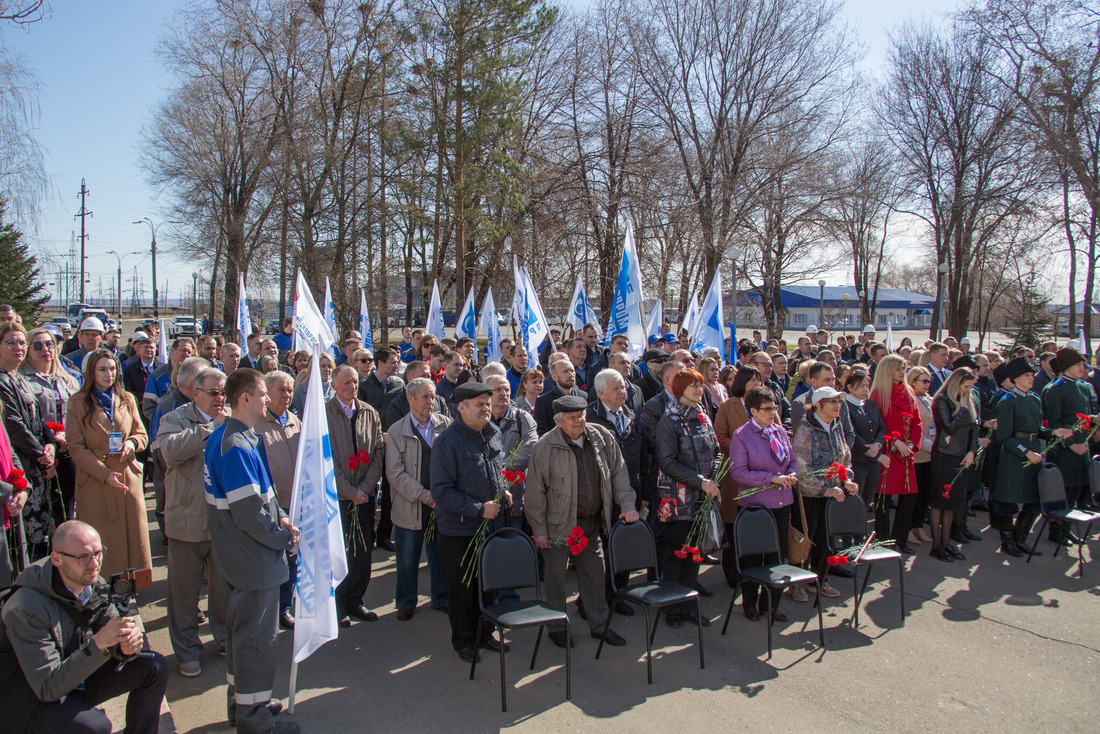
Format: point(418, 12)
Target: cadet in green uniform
point(1063, 399)
point(1019, 430)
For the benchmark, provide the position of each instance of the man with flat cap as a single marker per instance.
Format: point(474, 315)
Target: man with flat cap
point(575, 474)
point(650, 384)
point(1063, 399)
point(466, 465)
point(1019, 430)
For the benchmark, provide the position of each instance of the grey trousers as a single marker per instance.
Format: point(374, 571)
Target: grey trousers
point(251, 653)
point(186, 564)
point(590, 572)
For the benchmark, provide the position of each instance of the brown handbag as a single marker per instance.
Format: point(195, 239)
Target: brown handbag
point(798, 544)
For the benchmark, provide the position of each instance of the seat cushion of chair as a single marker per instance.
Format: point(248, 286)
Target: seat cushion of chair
point(1073, 515)
point(658, 593)
point(523, 613)
point(779, 575)
point(879, 553)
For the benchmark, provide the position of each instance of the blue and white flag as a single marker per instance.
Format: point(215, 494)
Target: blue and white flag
point(311, 331)
point(731, 358)
point(626, 308)
point(533, 327)
point(708, 331)
point(364, 321)
point(466, 324)
point(656, 318)
point(330, 317)
point(491, 327)
point(434, 326)
point(244, 320)
point(581, 311)
point(692, 313)
point(162, 343)
point(315, 511)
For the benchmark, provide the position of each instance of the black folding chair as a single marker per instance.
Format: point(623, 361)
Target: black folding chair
point(508, 560)
point(756, 534)
point(849, 519)
point(1052, 491)
point(630, 547)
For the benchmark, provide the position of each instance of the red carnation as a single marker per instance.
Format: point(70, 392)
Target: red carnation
point(509, 476)
point(1046, 424)
point(353, 463)
point(55, 427)
point(842, 560)
point(842, 472)
point(576, 533)
point(364, 457)
point(832, 561)
point(579, 546)
point(520, 476)
point(697, 558)
point(680, 553)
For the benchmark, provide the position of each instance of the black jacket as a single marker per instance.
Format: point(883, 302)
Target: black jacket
point(631, 442)
point(869, 428)
point(466, 473)
point(377, 394)
point(134, 378)
point(544, 406)
point(650, 385)
point(955, 434)
point(986, 387)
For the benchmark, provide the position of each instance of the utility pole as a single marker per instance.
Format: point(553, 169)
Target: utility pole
point(82, 214)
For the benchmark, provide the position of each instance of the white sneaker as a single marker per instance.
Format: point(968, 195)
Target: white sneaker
point(191, 669)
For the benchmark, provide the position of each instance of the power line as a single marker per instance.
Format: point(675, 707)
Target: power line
point(82, 214)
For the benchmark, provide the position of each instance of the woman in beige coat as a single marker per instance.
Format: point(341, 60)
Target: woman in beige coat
point(109, 492)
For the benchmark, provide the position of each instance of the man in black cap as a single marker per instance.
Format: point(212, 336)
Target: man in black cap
point(1063, 400)
point(1019, 430)
point(465, 484)
point(650, 384)
point(575, 475)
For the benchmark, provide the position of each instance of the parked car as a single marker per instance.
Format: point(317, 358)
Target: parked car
point(272, 327)
point(62, 324)
point(182, 326)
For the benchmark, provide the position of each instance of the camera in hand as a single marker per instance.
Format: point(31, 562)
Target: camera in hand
point(120, 591)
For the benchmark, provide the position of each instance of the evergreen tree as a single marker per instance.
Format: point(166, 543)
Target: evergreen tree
point(20, 285)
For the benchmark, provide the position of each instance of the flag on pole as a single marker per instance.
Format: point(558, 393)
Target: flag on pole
point(244, 320)
point(656, 318)
point(162, 343)
point(330, 317)
point(311, 331)
point(708, 330)
point(434, 326)
point(364, 321)
point(692, 313)
point(581, 311)
point(889, 338)
point(1086, 345)
point(466, 324)
point(491, 327)
point(626, 308)
point(731, 358)
point(315, 511)
point(538, 328)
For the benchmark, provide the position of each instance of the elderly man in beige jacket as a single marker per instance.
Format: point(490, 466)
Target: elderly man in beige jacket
point(279, 431)
point(575, 472)
point(408, 468)
point(182, 439)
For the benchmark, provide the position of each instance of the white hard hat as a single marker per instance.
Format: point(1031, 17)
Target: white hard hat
point(964, 340)
point(1073, 344)
point(869, 329)
point(92, 324)
point(811, 329)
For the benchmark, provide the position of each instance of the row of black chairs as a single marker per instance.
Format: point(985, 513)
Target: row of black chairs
point(509, 560)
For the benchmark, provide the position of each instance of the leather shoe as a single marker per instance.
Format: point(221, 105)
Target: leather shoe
point(954, 552)
point(386, 545)
point(286, 621)
point(941, 555)
point(404, 615)
point(751, 614)
point(623, 609)
point(958, 537)
point(695, 619)
point(344, 622)
point(558, 638)
point(492, 645)
point(778, 616)
point(361, 612)
point(703, 591)
point(468, 655)
point(970, 533)
point(612, 638)
point(276, 708)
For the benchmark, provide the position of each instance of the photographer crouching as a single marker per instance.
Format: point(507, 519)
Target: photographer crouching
point(65, 649)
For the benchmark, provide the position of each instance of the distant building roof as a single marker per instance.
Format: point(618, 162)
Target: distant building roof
point(1078, 308)
point(809, 296)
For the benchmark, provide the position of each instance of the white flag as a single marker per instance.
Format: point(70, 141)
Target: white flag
point(656, 317)
point(688, 324)
point(244, 320)
point(466, 324)
point(491, 327)
point(581, 312)
point(315, 511)
point(889, 338)
point(708, 330)
point(1085, 347)
point(311, 332)
point(626, 309)
point(330, 318)
point(162, 342)
point(434, 325)
point(364, 321)
point(533, 321)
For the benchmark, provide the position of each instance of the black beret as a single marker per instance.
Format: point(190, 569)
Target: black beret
point(469, 390)
point(569, 404)
point(964, 361)
point(1018, 366)
point(655, 355)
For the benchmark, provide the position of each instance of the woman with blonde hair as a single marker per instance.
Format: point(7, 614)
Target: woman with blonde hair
point(920, 379)
point(955, 447)
point(104, 429)
point(915, 357)
point(897, 403)
point(708, 368)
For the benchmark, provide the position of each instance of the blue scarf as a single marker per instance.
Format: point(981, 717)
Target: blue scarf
point(106, 401)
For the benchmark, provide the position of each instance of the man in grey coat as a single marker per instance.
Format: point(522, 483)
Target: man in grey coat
point(575, 474)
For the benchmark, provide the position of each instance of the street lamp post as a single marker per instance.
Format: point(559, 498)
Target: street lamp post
point(195, 300)
point(862, 307)
point(153, 248)
point(845, 315)
point(821, 306)
point(120, 256)
point(939, 317)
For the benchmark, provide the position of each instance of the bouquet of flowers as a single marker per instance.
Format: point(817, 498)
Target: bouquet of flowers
point(356, 537)
point(835, 471)
point(469, 558)
point(576, 541)
point(1084, 423)
point(704, 530)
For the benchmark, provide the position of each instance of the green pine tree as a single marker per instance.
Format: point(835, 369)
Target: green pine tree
point(20, 284)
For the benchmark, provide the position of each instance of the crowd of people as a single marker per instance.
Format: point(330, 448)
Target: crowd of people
point(429, 446)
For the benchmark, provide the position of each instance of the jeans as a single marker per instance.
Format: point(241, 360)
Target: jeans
point(286, 591)
point(408, 544)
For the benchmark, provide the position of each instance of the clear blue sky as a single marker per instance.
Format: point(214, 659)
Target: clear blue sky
point(101, 81)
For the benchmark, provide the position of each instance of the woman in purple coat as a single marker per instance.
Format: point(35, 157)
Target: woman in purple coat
point(760, 454)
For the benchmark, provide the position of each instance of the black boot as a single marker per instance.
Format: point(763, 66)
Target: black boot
point(1024, 521)
point(1008, 540)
